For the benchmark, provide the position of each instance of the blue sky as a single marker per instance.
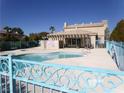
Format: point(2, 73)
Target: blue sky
point(39, 15)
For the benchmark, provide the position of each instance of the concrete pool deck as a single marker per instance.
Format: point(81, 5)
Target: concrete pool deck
point(98, 58)
point(94, 57)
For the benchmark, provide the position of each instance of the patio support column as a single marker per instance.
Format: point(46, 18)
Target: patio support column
point(58, 37)
point(87, 41)
point(61, 37)
point(71, 39)
point(55, 37)
point(52, 38)
point(93, 41)
point(81, 37)
point(81, 40)
point(63, 40)
point(76, 40)
point(84, 41)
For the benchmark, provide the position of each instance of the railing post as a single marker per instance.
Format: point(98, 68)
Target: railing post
point(0, 83)
point(10, 74)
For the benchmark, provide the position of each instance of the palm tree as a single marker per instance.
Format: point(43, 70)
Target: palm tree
point(52, 29)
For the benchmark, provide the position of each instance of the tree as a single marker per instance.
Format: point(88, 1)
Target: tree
point(26, 38)
point(118, 32)
point(33, 37)
point(12, 34)
point(43, 35)
point(7, 29)
point(52, 29)
point(17, 31)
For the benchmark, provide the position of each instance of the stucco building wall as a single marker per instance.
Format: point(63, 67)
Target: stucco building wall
point(94, 31)
point(49, 44)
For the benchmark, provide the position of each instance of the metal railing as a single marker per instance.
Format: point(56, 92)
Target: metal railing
point(116, 50)
point(11, 45)
point(100, 44)
point(21, 76)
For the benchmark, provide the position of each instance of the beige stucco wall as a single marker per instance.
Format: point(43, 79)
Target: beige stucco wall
point(99, 30)
point(93, 41)
point(49, 44)
point(42, 44)
point(52, 44)
point(102, 39)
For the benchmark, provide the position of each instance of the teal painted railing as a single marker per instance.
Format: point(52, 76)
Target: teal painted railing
point(17, 76)
point(116, 50)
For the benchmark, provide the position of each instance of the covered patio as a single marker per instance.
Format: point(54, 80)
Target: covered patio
point(74, 39)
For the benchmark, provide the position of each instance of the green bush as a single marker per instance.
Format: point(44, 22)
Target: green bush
point(118, 32)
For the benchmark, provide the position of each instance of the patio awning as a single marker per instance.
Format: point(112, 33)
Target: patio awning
point(73, 32)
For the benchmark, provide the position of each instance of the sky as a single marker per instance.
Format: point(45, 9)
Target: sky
point(39, 15)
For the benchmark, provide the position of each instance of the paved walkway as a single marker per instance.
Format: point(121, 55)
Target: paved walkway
point(98, 58)
point(94, 58)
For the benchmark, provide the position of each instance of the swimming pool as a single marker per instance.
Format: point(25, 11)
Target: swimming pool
point(47, 56)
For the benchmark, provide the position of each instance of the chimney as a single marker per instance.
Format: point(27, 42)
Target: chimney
point(105, 21)
point(65, 24)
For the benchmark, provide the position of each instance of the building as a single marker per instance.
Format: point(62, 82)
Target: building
point(81, 35)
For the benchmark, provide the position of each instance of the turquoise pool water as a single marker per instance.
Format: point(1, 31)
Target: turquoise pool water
point(47, 56)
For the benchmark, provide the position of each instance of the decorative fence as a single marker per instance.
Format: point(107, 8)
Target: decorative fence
point(116, 50)
point(10, 45)
point(17, 76)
